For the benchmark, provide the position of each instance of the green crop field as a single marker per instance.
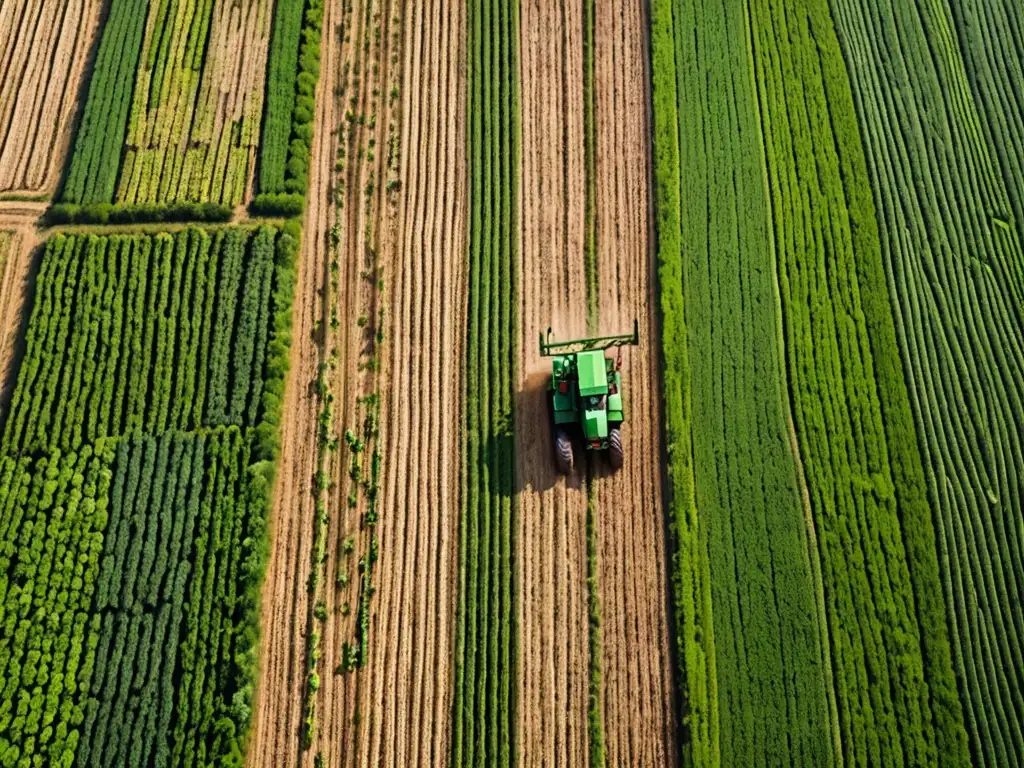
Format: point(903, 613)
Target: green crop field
point(137, 457)
point(172, 115)
point(865, 157)
point(814, 211)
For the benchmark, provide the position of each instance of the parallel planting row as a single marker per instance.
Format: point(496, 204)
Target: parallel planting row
point(944, 151)
point(485, 643)
point(44, 46)
point(752, 639)
point(132, 552)
point(893, 673)
point(175, 111)
point(174, 106)
point(874, 220)
point(140, 332)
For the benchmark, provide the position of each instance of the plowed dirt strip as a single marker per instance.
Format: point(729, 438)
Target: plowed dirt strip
point(367, 148)
point(44, 45)
point(638, 716)
point(551, 563)
point(278, 706)
point(407, 682)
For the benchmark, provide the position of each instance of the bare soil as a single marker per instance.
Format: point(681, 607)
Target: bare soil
point(384, 251)
point(551, 544)
point(17, 242)
point(404, 692)
point(44, 47)
point(638, 714)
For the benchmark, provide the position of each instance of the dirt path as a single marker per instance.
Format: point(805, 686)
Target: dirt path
point(17, 243)
point(636, 666)
point(637, 704)
point(551, 554)
point(44, 46)
point(278, 706)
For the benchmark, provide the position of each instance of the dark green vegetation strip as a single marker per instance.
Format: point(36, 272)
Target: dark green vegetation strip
point(772, 695)
point(595, 727)
point(107, 213)
point(279, 102)
point(952, 252)
point(484, 703)
point(142, 545)
point(893, 671)
point(92, 174)
point(290, 108)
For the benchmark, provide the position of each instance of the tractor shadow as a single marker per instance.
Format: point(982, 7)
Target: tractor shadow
point(533, 445)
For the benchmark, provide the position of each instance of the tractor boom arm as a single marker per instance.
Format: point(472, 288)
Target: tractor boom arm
point(549, 348)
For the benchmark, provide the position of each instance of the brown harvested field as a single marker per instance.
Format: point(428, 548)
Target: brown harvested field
point(551, 546)
point(382, 282)
point(637, 696)
point(554, 656)
point(381, 311)
point(197, 138)
point(403, 695)
point(44, 47)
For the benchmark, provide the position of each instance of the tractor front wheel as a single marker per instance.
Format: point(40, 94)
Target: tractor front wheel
point(615, 454)
point(563, 451)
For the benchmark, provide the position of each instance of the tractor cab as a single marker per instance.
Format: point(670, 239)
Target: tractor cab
point(586, 395)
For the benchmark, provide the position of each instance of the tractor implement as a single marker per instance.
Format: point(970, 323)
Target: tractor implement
point(585, 394)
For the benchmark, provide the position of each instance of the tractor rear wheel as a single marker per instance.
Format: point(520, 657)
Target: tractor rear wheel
point(563, 451)
point(615, 454)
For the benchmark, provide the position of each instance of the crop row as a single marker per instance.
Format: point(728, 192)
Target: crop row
point(759, 685)
point(893, 675)
point(952, 251)
point(174, 109)
point(96, 159)
point(280, 96)
point(198, 101)
point(484, 706)
point(177, 601)
point(288, 127)
point(52, 515)
point(130, 567)
point(142, 332)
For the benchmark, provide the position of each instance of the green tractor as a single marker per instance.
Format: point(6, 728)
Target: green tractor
point(585, 394)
